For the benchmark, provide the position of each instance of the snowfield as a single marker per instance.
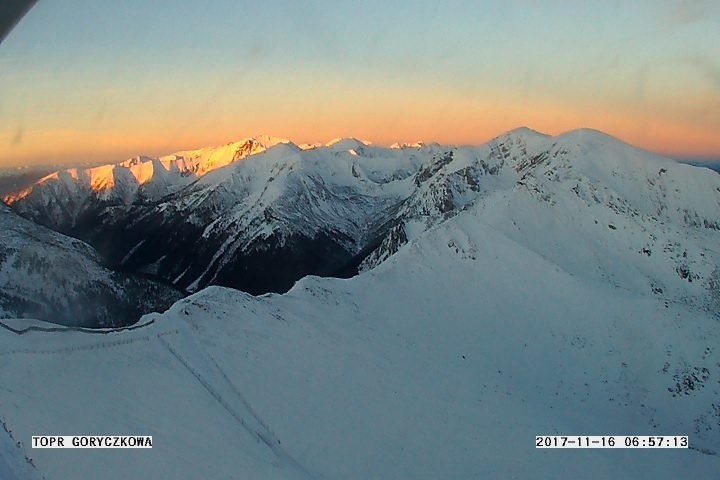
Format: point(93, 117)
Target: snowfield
point(573, 292)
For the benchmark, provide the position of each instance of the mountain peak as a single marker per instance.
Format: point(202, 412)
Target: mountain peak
point(346, 143)
point(524, 130)
point(268, 141)
point(587, 134)
point(398, 145)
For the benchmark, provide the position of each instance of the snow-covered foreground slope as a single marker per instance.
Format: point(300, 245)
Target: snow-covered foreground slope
point(442, 362)
point(46, 275)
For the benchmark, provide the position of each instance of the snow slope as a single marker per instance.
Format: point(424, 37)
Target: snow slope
point(509, 315)
point(596, 207)
point(605, 211)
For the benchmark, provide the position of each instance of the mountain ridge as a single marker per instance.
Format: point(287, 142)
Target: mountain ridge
point(238, 224)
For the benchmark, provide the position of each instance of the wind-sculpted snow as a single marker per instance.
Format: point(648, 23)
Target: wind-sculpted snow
point(444, 361)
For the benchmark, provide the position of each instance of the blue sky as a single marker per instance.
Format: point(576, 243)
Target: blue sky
point(92, 80)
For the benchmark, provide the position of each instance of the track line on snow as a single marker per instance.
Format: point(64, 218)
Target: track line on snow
point(93, 346)
point(253, 424)
point(62, 328)
point(263, 433)
point(242, 398)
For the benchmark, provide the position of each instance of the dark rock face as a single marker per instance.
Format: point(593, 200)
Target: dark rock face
point(173, 249)
point(395, 238)
point(97, 306)
point(52, 277)
point(178, 253)
point(276, 265)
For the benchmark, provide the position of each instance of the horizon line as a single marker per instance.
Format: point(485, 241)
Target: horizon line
point(69, 163)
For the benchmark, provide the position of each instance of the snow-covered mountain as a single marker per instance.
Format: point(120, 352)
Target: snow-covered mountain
point(583, 199)
point(535, 285)
point(598, 208)
point(16, 179)
point(46, 275)
point(262, 223)
point(62, 199)
point(259, 224)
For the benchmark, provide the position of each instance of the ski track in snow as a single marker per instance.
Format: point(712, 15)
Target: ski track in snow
point(243, 414)
point(210, 376)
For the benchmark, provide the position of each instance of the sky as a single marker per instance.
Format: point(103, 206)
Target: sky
point(106, 80)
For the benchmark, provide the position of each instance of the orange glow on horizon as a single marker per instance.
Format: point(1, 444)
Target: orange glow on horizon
point(84, 89)
point(382, 116)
